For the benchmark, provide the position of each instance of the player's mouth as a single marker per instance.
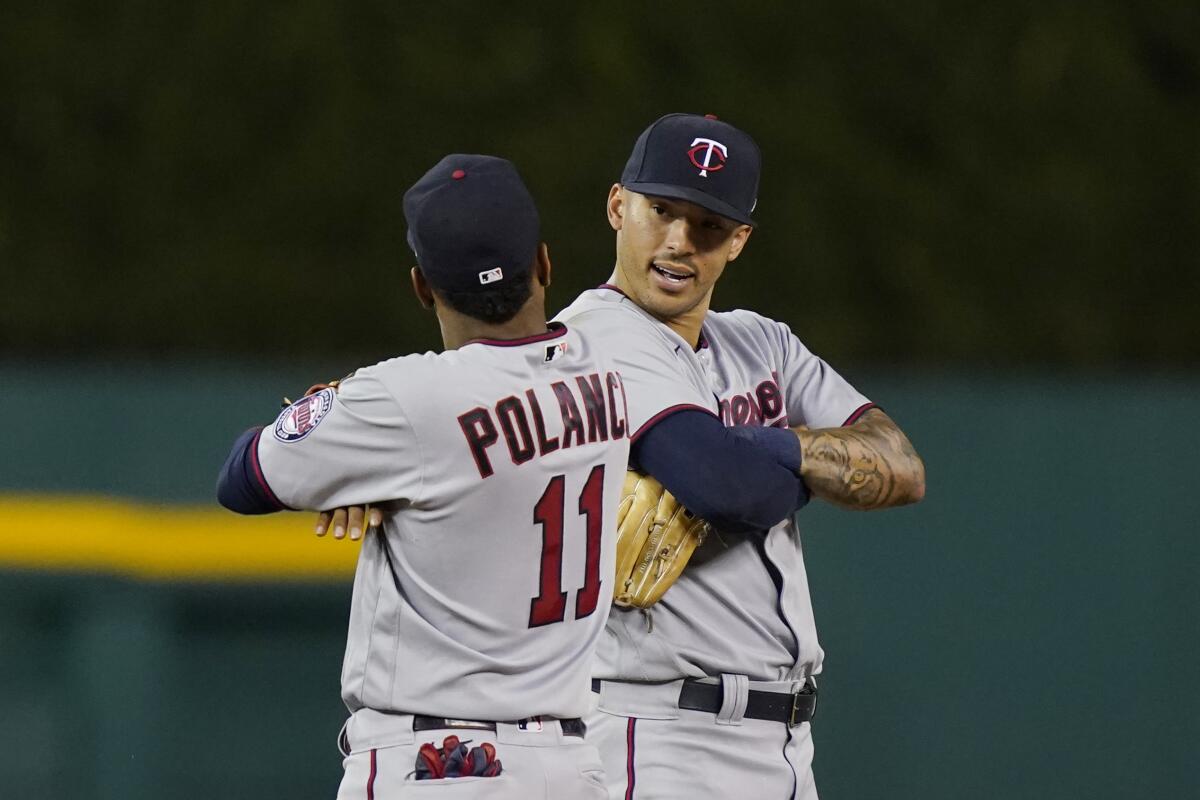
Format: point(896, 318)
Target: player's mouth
point(669, 276)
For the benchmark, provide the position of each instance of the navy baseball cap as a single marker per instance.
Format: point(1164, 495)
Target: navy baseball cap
point(700, 159)
point(472, 224)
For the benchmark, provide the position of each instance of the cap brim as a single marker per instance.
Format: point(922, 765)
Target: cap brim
point(702, 199)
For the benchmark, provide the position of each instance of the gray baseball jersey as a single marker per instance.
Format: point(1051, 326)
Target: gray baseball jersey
point(485, 593)
point(742, 604)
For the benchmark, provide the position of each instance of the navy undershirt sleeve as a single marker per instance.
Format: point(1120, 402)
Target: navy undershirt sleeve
point(237, 486)
point(779, 443)
point(740, 480)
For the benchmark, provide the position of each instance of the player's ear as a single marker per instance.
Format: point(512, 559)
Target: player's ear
point(740, 236)
point(421, 288)
point(541, 266)
point(616, 206)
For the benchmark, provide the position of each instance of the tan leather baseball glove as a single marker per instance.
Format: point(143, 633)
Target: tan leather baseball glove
point(655, 538)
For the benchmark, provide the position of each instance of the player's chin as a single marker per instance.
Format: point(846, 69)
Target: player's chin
point(665, 305)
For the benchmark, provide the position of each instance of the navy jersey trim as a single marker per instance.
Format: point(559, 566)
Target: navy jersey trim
point(666, 412)
point(613, 288)
point(858, 412)
point(387, 556)
point(553, 331)
point(777, 579)
point(795, 775)
point(630, 773)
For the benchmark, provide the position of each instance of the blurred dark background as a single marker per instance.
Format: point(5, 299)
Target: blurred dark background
point(947, 184)
point(986, 216)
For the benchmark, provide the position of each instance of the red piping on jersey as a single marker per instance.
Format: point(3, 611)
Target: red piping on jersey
point(553, 331)
point(371, 778)
point(630, 775)
point(258, 472)
point(666, 412)
point(858, 412)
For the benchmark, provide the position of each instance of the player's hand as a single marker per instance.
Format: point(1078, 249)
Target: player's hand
point(341, 520)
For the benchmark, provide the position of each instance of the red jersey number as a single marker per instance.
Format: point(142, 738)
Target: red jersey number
point(550, 605)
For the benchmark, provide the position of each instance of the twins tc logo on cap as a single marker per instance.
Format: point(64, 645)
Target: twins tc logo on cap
point(666, 153)
point(491, 275)
point(301, 417)
point(710, 148)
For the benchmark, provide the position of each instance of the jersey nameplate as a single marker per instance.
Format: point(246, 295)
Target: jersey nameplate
point(591, 409)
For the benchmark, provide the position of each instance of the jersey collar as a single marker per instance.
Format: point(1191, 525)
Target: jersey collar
point(554, 330)
point(701, 345)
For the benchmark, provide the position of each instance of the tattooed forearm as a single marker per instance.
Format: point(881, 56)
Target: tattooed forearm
point(867, 465)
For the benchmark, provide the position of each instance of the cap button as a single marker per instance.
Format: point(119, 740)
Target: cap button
point(458, 174)
point(710, 116)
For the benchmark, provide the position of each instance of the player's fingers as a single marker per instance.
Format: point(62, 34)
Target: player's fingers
point(356, 514)
point(374, 518)
point(339, 523)
point(323, 522)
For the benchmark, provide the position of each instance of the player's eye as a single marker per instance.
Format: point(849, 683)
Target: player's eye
point(658, 209)
point(712, 225)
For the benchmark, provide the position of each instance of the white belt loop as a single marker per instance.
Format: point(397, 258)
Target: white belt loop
point(735, 691)
point(644, 700)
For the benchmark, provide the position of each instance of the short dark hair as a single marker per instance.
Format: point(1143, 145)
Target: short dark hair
point(494, 306)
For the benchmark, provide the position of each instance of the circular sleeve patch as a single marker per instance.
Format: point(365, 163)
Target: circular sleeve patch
point(301, 417)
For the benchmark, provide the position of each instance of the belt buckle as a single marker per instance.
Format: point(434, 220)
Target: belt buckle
point(809, 689)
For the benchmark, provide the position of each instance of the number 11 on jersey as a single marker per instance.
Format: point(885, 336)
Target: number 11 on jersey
point(550, 605)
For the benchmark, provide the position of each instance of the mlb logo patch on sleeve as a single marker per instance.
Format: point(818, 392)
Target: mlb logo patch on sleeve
point(301, 417)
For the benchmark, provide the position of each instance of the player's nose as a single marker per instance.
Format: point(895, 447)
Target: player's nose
point(680, 237)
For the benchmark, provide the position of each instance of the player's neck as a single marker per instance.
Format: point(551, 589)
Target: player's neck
point(687, 324)
point(458, 329)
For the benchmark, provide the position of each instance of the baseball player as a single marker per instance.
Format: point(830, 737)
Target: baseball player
point(709, 694)
point(478, 603)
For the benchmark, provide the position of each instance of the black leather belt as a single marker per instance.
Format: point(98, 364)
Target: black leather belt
point(573, 726)
point(790, 708)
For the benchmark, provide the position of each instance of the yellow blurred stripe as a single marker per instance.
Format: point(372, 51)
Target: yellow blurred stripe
point(96, 534)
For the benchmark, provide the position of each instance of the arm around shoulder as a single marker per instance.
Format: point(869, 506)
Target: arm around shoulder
point(738, 483)
point(240, 484)
point(867, 465)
